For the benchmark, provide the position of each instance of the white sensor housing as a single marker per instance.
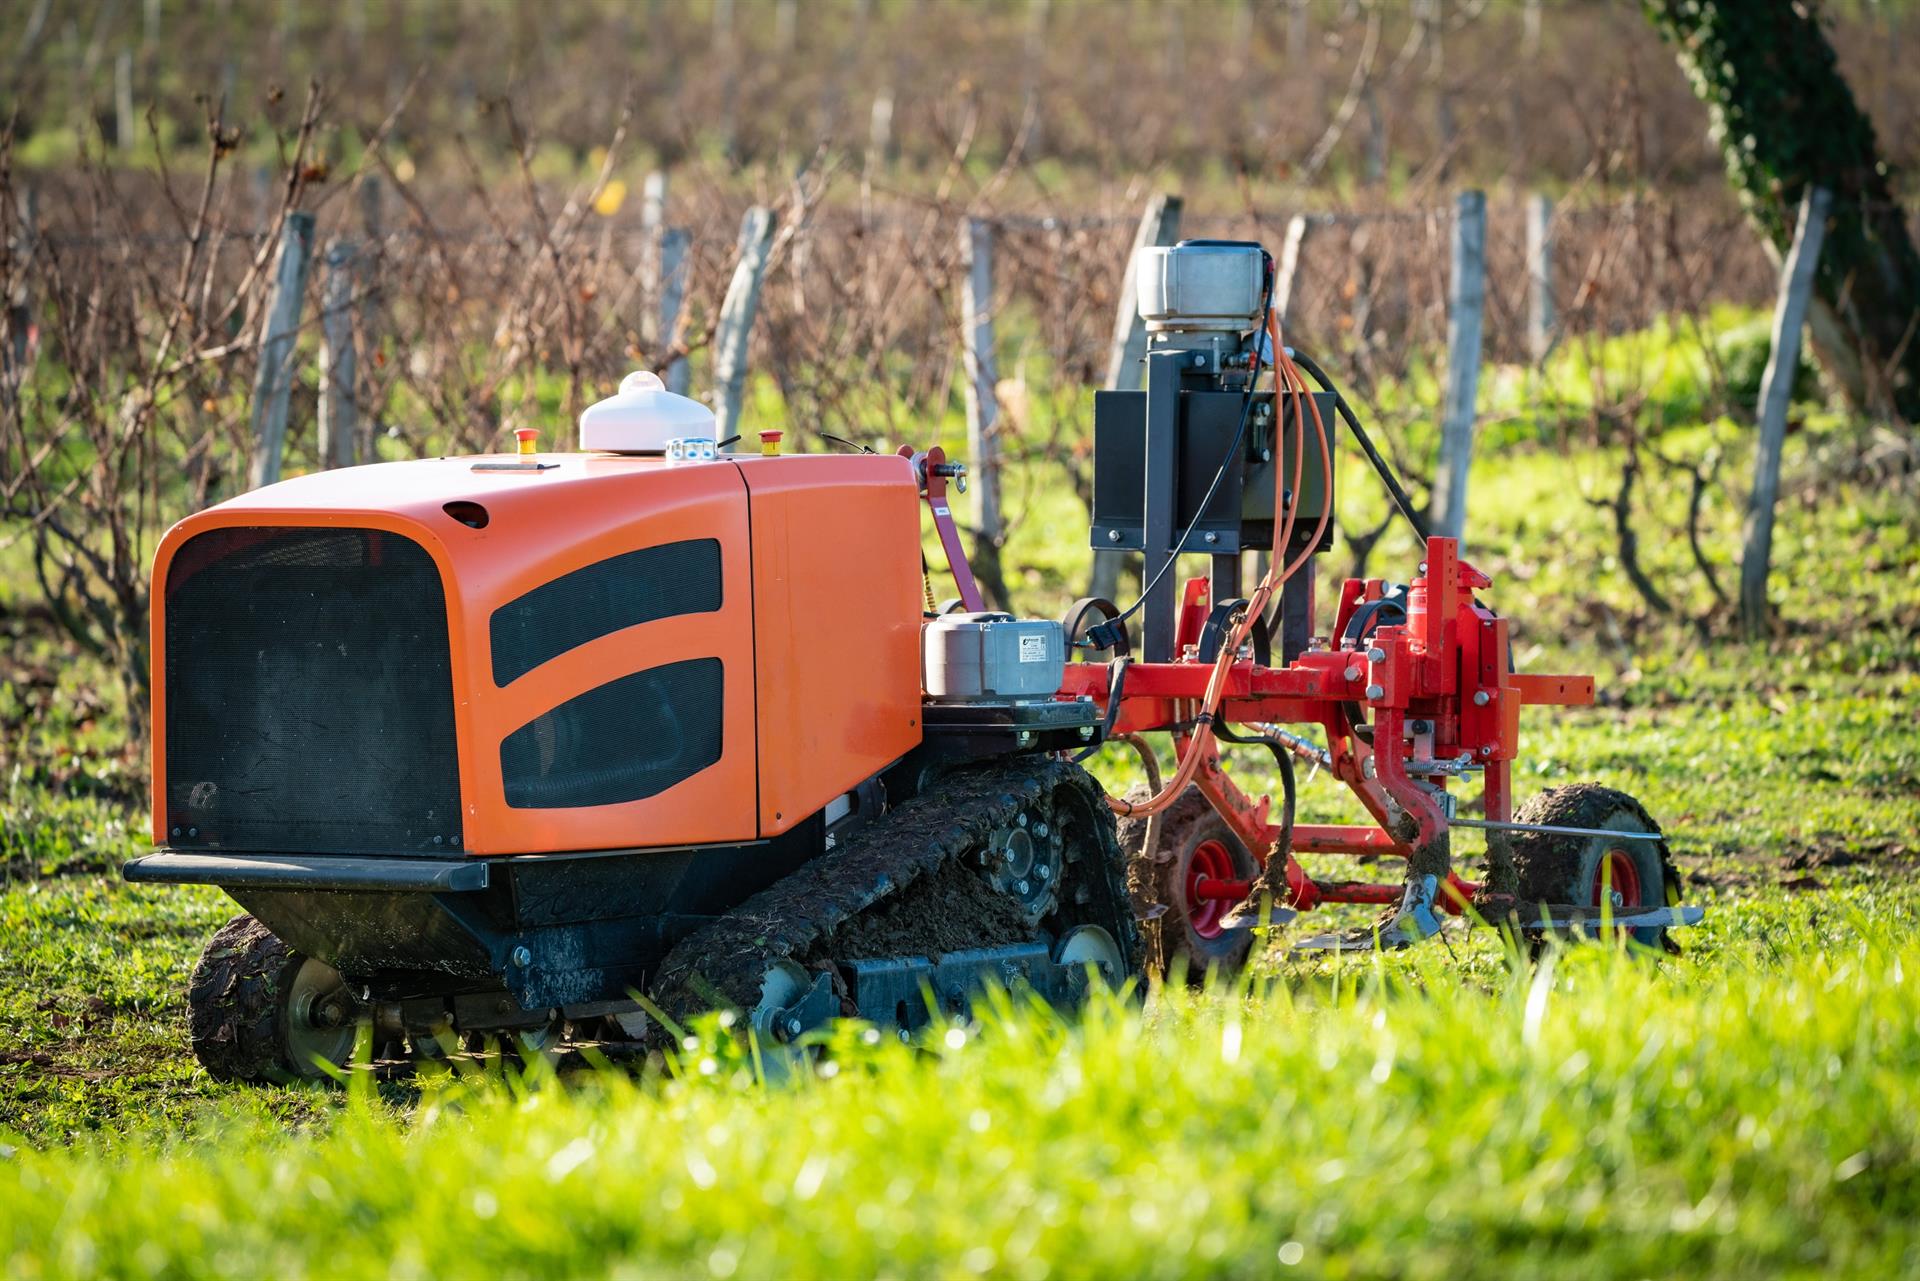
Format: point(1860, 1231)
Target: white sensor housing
point(643, 418)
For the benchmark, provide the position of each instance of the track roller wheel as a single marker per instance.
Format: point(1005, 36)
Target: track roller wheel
point(1177, 920)
point(260, 1011)
point(1094, 919)
point(1090, 946)
point(1591, 871)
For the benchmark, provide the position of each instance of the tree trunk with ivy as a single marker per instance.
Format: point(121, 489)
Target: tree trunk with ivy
point(1785, 119)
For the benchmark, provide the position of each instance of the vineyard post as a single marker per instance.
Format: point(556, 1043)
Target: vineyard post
point(370, 270)
point(663, 272)
point(1375, 171)
point(1159, 225)
point(674, 243)
point(653, 204)
point(983, 408)
point(1466, 300)
point(653, 225)
point(880, 130)
point(1294, 616)
point(123, 100)
point(1289, 269)
point(736, 320)
point(338, 399)
point(371, 199)
point(1539, 277)
point(653, 220)
point(879, 147)
point(19, 300)
point(273, 380)
point(1776, 390)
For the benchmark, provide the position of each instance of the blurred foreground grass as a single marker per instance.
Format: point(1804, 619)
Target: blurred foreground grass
point(1755, 1112)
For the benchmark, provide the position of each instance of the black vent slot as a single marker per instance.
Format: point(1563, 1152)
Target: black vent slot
point(624, 741)
point(621, 591)
point(309, 693)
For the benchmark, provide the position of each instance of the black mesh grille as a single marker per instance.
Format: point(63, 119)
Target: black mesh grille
point(309, 694)
point(621, 591)
point(623, 741)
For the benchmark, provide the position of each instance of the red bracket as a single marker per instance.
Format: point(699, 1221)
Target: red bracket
point(932, 469)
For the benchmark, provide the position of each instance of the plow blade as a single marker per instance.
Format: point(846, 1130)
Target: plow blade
point(1557, 921)
point(1583, 920)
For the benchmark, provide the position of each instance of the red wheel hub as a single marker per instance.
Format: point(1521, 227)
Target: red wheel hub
point(1211, 860)
point(1618, 872)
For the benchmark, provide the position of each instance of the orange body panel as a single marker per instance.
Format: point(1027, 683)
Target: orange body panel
point(836, 570)
point(833, 543)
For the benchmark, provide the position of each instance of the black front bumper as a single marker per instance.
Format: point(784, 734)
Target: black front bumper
point(310, 872)
point(554, 930)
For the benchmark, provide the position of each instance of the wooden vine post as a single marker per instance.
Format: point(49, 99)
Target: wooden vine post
point(1776, 390)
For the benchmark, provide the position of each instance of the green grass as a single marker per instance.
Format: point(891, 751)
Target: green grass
point(94, 1007)
point(1756, 1109)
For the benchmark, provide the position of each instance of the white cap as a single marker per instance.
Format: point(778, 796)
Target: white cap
point(642, 418)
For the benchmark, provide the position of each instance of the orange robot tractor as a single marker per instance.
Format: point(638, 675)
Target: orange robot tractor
point(522, 745)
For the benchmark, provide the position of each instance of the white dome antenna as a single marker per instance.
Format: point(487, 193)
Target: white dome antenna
point(643, 417)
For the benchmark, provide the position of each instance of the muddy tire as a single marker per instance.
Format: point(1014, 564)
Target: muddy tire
point(1578, 870)
point(1194, 841)
point(251, 1008)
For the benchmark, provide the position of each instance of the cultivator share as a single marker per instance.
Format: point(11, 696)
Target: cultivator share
point(536, 744)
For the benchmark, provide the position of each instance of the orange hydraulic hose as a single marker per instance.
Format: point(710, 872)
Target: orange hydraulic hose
point(1284, 366)
point(1287, 377)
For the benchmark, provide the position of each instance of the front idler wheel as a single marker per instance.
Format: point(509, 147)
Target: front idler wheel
point(260, 1011)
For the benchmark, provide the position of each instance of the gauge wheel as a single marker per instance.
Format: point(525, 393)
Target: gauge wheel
point(1592, 871)
point(260, 1011)
point(1178, 920)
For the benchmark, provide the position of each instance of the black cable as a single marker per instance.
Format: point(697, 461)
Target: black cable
point(1283, 758)
point(1116, 690)
point(1220, 473)
point(1380, 465)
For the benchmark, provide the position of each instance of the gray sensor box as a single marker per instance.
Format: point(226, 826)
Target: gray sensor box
point(992, 658)
point(1211, 286)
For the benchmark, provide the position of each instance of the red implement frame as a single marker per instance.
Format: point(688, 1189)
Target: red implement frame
point(1439, 689)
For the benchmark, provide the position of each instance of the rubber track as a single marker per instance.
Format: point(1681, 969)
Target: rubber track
point(722, 964)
